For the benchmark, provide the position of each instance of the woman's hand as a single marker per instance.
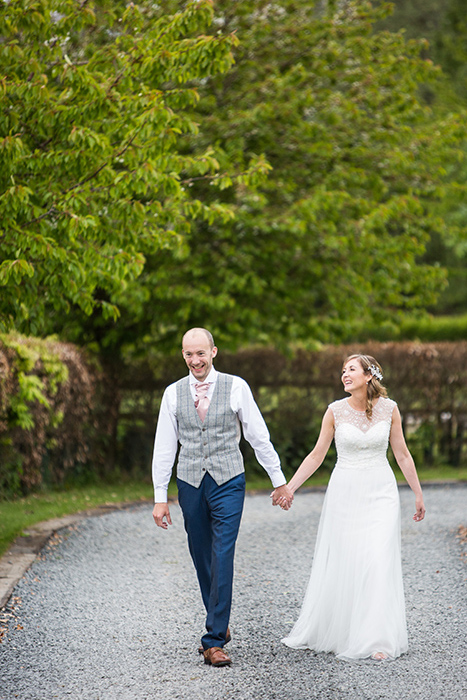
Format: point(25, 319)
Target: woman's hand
point(282, 496)
point(420, 509)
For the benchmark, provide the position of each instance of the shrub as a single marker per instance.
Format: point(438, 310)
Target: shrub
point(49, 423)
point(428, 381)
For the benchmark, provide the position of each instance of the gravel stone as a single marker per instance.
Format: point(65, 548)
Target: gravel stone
point(111, 610)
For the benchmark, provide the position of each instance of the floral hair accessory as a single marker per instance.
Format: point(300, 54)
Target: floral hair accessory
point(375, 372)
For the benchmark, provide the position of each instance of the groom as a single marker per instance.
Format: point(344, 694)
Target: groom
point(202, 414)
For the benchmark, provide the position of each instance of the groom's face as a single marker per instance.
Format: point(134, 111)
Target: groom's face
point(198, 355)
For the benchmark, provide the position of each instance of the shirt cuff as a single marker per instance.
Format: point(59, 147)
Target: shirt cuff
point(278, 478)
point(160, 495)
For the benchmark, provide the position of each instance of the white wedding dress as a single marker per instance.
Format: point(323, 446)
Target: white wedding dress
point(354, 604)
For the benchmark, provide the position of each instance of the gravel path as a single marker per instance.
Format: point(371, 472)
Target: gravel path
point(110, 610)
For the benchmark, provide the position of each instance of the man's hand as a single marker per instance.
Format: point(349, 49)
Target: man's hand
point(282, 496)
point(161, 515)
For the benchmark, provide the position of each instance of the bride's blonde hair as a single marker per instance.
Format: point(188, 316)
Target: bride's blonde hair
point(374, 388)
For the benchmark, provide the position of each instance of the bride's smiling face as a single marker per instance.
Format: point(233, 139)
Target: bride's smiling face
point(353, 376)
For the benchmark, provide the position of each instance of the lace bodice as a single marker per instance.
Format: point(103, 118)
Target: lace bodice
point(360, 442)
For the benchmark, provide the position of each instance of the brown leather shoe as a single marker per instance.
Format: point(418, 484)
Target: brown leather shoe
point(227, 640)
point(216, 657)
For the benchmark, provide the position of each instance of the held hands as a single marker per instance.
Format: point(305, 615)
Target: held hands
point(282, 496)
point(161, 515)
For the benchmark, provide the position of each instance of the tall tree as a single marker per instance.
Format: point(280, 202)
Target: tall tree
point(334, 235)
point(337, 232)
point(443, 25)
point(94, 100)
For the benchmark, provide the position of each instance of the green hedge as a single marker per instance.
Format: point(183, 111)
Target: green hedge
point(65, 421)
point(51, 418)
point(428, 380)
point(428, 329)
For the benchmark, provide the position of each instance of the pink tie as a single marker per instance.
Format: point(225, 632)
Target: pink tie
point(201, 400)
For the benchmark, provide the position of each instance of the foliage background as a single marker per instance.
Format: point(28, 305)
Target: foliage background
point(428, 380)
point(443, 26)
point(54, 415)
point(57, 424)
point(95, 98)
point(136, 144)
point(291, 175)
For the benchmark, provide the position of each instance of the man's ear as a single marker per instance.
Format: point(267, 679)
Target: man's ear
point(214, 351)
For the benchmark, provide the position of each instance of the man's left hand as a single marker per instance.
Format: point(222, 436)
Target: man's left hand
point(282, 496)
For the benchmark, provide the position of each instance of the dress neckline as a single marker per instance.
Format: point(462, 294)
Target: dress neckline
point(356, 410)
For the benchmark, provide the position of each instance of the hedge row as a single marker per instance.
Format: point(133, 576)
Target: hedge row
point(52, 426)
point(428, 329)
point(62, 419)
point(428, 381)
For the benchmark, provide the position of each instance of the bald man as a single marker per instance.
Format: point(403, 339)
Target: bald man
point(202, 414)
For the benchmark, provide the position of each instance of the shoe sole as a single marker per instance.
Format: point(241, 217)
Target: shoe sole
point(219, 663)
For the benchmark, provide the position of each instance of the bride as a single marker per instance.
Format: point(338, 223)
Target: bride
point(354, 604)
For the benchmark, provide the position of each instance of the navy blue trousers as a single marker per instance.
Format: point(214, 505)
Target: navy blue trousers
point(212, 516)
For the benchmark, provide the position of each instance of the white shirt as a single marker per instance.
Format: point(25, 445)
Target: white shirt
point(249, 415)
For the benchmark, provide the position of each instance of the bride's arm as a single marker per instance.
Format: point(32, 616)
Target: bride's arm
point(314, 460)
point(405, 461)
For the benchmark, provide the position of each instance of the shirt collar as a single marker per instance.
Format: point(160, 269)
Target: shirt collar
point(212, 377)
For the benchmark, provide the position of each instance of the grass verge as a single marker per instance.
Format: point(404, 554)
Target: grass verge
point(17, 515)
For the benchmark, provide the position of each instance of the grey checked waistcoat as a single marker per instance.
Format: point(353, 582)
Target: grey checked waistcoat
point(211, 446)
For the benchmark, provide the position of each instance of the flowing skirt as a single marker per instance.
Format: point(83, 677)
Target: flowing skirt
point(354, 604)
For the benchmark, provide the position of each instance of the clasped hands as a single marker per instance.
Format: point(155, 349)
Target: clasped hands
point(282, 496)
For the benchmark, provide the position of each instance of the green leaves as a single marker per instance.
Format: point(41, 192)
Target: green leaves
point(92, 111)
point(32, 387)
point(336, 233)
point(15, 269)
point(266, 170)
